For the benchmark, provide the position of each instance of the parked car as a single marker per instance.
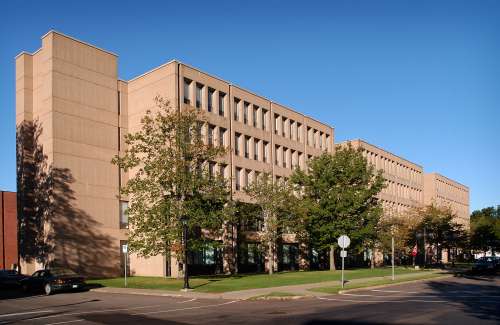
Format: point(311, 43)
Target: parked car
point(10, 278)
point(52, 280)
point(485, 264)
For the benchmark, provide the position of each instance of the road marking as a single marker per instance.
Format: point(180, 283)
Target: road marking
point(181, 302)
point(27, 313)
point(394, 291)
point(94, 312)
point(186, 308)
point(421, 296)
point(379, 301)
point(70, 321)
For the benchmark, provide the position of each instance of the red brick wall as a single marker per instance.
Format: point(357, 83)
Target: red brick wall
point(8, 230)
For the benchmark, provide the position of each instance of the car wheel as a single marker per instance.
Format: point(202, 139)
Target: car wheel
point(48, 289)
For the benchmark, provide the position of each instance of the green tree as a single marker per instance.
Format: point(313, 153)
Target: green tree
point(485, 229)
point(169, 160)
point(341, 190)
point(273, 199)
point(440, 227)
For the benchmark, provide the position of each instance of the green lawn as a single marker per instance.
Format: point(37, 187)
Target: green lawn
point(369, 283)
point(251, 281)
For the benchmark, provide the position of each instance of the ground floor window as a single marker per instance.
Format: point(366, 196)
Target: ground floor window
point(250, 257)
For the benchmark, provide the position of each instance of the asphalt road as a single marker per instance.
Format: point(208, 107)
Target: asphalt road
point(471, 300)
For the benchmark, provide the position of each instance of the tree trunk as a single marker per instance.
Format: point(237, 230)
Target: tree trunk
point(332, 258)
point(372, 259)
point(270, 259)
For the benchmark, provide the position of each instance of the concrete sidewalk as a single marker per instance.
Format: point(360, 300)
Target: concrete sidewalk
point(299, 290)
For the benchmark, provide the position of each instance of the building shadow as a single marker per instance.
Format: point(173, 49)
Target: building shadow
point(53, 230)
point(483, 302)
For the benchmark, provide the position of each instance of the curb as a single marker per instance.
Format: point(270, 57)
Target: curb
point(394, 284)
point(156, 294)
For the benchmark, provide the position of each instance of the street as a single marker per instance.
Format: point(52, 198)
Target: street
point(455, 300)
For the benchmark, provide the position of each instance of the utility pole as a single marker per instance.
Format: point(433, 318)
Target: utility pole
point(392, 244)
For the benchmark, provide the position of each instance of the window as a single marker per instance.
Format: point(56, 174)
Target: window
point(236, 109)
point(187, 86)
point(266, 151)
point(309, 136)
point(237, 144)
point(222, 135)
point(299, 132)
point(276, 155)
point(123, 215)
point(283, 123)
point(290, 126)
point(210, 103)
point(237, 181)
point(256, 149)
point(254, 115)
point(276, 117)
point(211, 169)
point(211, 129)
point(245, 112)
point(321, 140)
point(222, 97)
point(263, 116)
point(222, 170)
point(245, 176)
point(284, 157)
point(247, 146)
point(199, 95)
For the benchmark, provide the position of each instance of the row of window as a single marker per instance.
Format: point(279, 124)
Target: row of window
point(250, 114)
point(392, 167)
point(451, 191)
point(253, 115)
point(244, 177)
point(253, 148)
point(403, 191)
point(213, 97)
point(395, 207)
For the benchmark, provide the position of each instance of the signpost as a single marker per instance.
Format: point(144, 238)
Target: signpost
point(343, 242)
point(392, 244)
point(125, 252)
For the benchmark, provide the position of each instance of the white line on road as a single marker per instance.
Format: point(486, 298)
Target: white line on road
point(182, 302)
point(93, 312)
point(379, 301)
point(27, 313)
point(187, 308)
point(421, 296)
point(70, 321)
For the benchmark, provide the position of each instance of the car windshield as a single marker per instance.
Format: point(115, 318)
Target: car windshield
point(62, 272)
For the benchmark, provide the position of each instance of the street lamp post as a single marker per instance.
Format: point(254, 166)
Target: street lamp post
point(185, 240)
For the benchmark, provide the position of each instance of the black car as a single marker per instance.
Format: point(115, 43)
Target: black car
point(10, 278)
point(485, 264)
point(52, 280)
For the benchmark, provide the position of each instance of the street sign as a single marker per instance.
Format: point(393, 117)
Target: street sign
point(343, 253)
point(125, 248)
point(344, 241)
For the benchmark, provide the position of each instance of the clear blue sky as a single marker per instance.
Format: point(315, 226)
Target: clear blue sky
point(418, 78)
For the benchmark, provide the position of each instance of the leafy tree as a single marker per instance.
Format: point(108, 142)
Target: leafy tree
point(168, 159)
point(485, 229)
point(441, 230)
point(341, 189)
point(273, 198)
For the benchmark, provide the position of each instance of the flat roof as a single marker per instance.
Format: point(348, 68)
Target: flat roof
point(365, 142)
point(449, 179)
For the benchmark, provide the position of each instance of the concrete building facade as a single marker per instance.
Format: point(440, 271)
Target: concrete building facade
point(442, 191)
point(409, 187)
point(404, 179)
point(8, 230)
point(71, 91)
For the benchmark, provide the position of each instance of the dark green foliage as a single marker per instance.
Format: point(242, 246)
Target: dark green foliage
point(339, 191)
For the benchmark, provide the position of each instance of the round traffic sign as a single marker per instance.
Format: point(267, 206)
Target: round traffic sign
point(343, 241)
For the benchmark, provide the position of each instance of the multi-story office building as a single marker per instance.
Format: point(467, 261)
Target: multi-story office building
point(409, 187)
point(404, 179)
point(72, 91)
point(442, 191)
point(8, 230)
